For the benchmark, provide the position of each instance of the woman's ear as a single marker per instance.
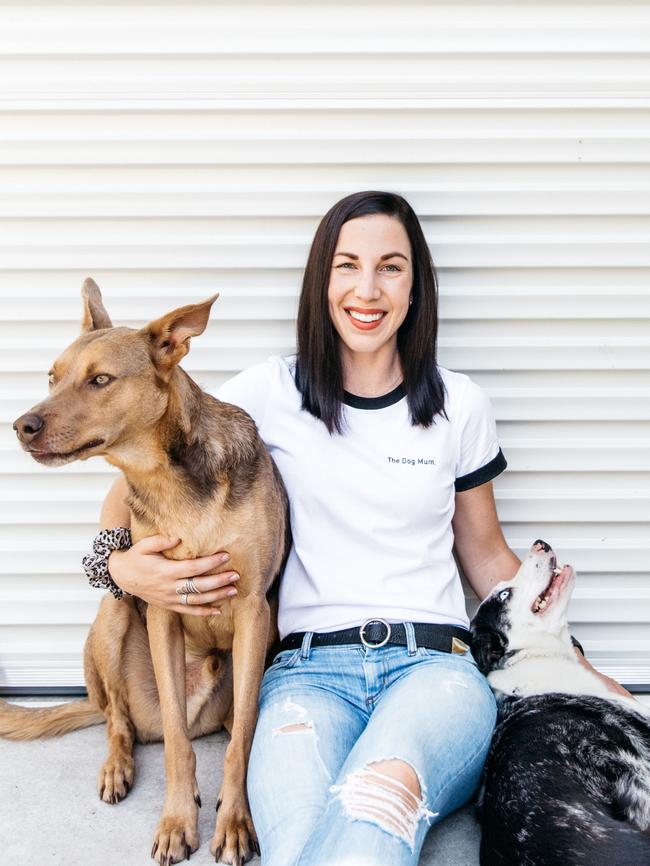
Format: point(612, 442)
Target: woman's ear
point(488, 648)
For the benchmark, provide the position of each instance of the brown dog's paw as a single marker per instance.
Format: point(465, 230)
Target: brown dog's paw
point(175, 840)
point(115, 779)
point(234, 840)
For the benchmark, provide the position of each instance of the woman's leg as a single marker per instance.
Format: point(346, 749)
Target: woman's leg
point(306, 727)
point(419, 758)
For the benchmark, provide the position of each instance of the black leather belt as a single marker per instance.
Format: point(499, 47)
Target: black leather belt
point(376, 633)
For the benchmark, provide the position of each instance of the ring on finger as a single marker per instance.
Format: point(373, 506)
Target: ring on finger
point(184, 598)
point(188, 588)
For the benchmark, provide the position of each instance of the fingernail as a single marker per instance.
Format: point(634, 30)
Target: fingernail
point(234, 576)
point(232, 592)
point(225, 557)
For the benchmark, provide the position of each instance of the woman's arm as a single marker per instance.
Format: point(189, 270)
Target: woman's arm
point(485, 557)
point(480, 546)
point(142, 570)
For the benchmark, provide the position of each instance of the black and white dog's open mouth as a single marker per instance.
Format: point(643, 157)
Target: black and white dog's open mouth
point(559, 580)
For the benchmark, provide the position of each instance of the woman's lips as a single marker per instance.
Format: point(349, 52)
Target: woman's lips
point(366, 326)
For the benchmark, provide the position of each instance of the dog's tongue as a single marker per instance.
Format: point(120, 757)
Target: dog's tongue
point(556, 585)
point(558, 581)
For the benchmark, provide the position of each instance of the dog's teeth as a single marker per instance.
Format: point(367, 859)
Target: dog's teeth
point(557, 570)
point(542, 604)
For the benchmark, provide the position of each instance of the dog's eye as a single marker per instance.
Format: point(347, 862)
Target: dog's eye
point(504, 594)
point(50, 378)
point(101, 379)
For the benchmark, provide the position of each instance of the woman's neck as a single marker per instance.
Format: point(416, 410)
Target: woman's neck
point(371, 374)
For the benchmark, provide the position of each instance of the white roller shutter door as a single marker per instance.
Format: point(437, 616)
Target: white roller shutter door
point(170, 150)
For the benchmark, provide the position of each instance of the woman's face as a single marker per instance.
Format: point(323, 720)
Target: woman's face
point(370, 282)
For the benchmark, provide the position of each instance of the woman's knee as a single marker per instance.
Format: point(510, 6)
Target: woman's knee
point(387, 793)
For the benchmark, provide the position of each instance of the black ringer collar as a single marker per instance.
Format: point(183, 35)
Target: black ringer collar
point(382, 402)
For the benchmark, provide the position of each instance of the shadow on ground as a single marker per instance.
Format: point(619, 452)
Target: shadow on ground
point(50, 812)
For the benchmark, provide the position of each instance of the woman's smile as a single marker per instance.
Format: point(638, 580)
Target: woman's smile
point(365, 320)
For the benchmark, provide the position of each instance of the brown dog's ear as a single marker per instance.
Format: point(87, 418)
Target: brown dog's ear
point(95, 316)
point(170, 335)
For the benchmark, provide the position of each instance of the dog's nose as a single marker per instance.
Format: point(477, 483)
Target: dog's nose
point(28, 426)
point(541, 545)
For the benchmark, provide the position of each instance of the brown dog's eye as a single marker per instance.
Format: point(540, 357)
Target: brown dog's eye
point(50, 378)
point(101, 379)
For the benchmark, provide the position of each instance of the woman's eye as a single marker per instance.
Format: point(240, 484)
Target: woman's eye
point(101, 379)
point(392, 268)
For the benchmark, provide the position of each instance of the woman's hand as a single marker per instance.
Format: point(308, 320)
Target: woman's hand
point(142, 570)
point(612, 685)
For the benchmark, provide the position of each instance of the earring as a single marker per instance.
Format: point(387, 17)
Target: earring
point(410, 300)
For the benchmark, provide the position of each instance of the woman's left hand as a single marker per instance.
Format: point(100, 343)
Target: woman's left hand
point(611, 684)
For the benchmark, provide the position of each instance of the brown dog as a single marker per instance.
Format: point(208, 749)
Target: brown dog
point(197, 470)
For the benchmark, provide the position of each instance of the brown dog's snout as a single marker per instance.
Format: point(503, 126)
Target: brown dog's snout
point(28, 426)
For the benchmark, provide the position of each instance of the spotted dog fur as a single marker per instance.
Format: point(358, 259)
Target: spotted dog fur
point(567, 780)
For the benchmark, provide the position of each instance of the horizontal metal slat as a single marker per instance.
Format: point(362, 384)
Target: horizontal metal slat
point(556, 409)
point(337, 180)
point(243, 231)
point(229, 28)
point(275, 149)
point(450, 202)
point(256, 73)
point(306, 119)
point(47, 484)
point(623, 332)
point(513, 506)
point(456, 306)
point(486, 354)
point(522, 456)
point(612, 566)
point(22, 384)
point(228, 252)
point(63, 608)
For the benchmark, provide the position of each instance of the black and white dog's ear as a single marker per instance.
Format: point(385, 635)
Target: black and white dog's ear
point(488, 648)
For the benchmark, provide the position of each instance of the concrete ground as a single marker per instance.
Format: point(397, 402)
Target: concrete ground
point(50, 812)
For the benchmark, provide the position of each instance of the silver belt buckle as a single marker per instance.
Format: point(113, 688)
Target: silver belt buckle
point(375, 645)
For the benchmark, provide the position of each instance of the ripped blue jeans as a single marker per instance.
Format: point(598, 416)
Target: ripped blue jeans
point(329, 716)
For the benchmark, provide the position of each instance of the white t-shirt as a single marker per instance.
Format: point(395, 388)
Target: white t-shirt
point(371, 509)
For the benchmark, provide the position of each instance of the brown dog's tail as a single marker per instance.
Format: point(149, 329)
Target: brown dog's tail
point(30, 723)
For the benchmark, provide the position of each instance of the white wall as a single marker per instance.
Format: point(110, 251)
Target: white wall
point(171, 150)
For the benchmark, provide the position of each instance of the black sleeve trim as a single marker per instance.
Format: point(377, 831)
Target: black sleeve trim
point(485, 473)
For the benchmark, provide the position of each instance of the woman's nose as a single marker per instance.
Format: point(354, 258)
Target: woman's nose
point(366, 288)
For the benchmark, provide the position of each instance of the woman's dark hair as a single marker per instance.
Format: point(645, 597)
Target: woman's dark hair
point(319, 374)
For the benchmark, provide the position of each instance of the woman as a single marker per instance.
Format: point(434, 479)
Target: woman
point(374, 719)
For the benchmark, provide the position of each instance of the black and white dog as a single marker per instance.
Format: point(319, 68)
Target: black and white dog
point(567, 780)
